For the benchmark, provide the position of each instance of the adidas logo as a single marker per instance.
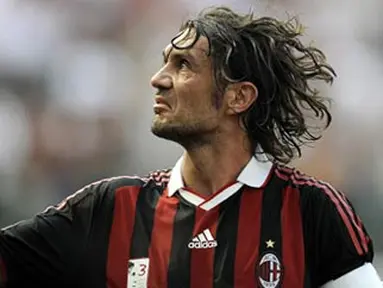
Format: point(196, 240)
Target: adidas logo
point(203, 240)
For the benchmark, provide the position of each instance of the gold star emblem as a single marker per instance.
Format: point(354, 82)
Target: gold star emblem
point(270, 244)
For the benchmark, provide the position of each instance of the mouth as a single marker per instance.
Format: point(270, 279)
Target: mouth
point(160, 105)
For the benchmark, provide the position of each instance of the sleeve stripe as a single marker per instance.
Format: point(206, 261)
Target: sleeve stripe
point(347, 222)
point(362, 232)
point(356, 222)
point(340, 204)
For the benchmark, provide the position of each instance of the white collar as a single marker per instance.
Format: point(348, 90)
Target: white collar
point(254, 175)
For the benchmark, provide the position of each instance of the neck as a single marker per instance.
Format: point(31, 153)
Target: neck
point(208, 168)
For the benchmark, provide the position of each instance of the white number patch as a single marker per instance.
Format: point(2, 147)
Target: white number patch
point(138, 272)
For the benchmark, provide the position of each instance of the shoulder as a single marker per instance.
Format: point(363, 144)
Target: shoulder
point(328, 209)
point(104, 190)
point(311, 189)
point(318, 199)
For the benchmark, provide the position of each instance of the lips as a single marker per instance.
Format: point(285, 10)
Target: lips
point(160, 104)
point(160, 100)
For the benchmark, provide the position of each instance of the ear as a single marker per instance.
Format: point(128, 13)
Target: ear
point(240, 96)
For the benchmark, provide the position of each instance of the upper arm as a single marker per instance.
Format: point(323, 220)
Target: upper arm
point(337, 239)
point(49, 246)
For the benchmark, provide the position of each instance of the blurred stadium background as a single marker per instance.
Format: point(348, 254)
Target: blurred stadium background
point(76, 104)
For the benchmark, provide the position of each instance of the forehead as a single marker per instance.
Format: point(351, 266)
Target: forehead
point(185, 38)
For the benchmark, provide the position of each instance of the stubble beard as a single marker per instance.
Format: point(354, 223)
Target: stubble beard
point(186, 134)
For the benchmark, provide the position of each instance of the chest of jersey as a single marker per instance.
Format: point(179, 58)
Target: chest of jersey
point(158, 241)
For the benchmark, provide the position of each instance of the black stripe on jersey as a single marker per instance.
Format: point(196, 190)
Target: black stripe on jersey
point(271, 227)
point(96, 251)
point(307, 227)
point(179, 262)
point(143, 223)
point(226, 236)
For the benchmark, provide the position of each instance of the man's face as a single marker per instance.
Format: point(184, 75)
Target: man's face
point(183, 108)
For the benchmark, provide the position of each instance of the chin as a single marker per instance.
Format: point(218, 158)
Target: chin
point(183, 134)
point(162, 130)
point(160, 122)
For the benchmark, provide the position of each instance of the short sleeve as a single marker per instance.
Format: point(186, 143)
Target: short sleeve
point(336, 234)
point(47, 248)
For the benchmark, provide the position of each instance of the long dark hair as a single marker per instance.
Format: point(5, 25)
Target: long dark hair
point(269, 53)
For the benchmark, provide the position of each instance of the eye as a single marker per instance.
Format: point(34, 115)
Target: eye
point(183, 63)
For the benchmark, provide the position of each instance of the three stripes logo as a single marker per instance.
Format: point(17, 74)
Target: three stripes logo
point(203, 240)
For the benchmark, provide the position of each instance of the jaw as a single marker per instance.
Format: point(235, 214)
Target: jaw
point(194, 136)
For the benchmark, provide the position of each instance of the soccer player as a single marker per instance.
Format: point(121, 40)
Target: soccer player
point(234, 90)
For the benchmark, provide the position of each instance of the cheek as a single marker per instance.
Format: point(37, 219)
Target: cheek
point(194, 94)
point(194, 100)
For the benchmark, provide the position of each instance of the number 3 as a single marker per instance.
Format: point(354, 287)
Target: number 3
point(143, 269)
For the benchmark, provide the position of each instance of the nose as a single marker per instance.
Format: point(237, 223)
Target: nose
point(161, 80)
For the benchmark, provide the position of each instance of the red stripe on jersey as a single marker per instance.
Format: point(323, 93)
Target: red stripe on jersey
point(3, 273)
point(202, 260)
point(280, 175)
point(120, 235)
point(161, 241)
point(293, 253)
point(362, 233)
point(339, 203)
point(248, 239)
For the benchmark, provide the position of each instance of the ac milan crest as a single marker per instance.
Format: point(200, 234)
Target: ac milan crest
point(270, 271)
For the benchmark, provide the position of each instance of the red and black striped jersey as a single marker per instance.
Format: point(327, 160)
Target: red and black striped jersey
point(273, 227)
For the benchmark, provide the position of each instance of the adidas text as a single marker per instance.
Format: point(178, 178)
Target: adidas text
point(203, 240)
point(202, 245)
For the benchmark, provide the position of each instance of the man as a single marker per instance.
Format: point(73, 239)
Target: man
point(233, 91)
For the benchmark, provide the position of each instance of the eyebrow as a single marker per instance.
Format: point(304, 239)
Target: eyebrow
point(180, 52)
